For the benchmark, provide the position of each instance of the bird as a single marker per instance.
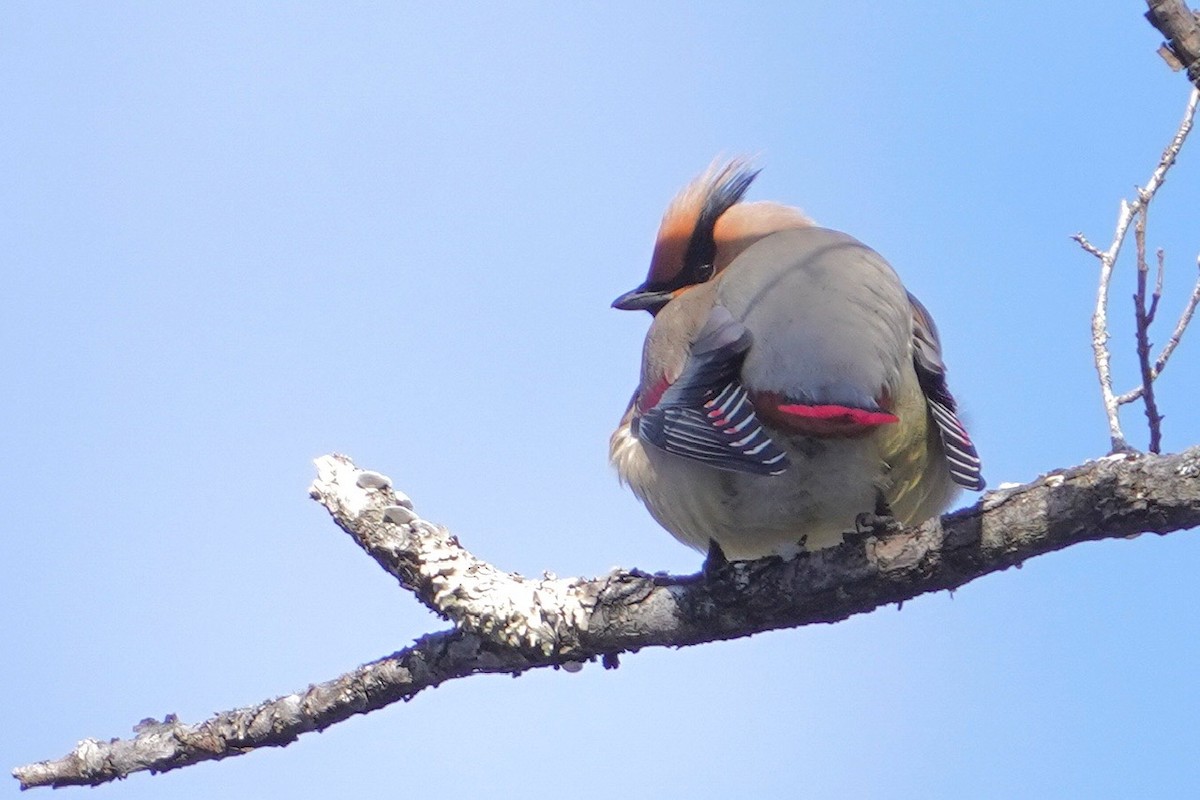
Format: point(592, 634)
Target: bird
point(790, 385)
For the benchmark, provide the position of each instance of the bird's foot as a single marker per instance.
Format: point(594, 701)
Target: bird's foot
point(872, 523)
point(715, 561)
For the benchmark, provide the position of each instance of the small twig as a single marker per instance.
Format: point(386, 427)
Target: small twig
point(1161, 362)
point(1126, 214)
point(1143, 317)
point(1100, 327)
point(1180, 326)
point(1158, 284)
point(1088, 246)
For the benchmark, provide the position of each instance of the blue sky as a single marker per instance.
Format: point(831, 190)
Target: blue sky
point(238, 237)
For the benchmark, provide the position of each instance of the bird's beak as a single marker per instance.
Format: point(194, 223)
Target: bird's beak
point(642, 298)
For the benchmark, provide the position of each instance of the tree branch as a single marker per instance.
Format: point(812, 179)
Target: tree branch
point(1143, 317)
point(507, 623)
point(504, 622)
point(1185, 317)
point(1180, 25)
point(1126, 214)
point(170, 744)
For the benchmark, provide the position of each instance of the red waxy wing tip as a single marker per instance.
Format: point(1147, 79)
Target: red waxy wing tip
point(852, 416)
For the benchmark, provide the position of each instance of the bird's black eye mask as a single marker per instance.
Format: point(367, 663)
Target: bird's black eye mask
point(702, 247)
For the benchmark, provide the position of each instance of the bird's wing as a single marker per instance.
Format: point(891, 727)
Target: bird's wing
point(965, 467)
point(706, 414)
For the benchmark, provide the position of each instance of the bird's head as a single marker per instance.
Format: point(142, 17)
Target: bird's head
point(704, 228)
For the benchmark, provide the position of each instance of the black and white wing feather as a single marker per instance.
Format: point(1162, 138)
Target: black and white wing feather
point(706, 414)
point(963, 460)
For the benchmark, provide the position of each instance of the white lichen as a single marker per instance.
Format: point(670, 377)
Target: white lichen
point(1190, 468)
point(90, 753)
point(514, 611)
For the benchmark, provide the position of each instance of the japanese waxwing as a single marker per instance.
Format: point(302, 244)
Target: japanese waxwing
point(789, 383)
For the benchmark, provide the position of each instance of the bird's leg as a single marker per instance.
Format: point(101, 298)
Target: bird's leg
point(715, 561)
point(879, 522)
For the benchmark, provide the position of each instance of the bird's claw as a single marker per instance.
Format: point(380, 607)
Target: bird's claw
point(870, 523)
point(715, 561)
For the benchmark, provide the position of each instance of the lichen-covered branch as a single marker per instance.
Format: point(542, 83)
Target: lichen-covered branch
point(1127, 213)
point(507, 623)
point(540, 615)
point(169, 744)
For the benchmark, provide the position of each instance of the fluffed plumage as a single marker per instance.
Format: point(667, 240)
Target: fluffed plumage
point(789, 382)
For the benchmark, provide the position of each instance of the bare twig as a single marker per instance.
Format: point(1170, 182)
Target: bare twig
point(1180, 326)
point(626, 610)
point(1185, 317)
point(1143, 316)
point(1159, 275)
point(1127, 213)
point(1087, 246)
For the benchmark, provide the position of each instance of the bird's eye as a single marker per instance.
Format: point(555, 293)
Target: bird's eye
point(705, 272)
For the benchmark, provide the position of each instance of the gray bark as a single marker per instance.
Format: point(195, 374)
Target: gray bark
point(507, 623)
point(1181, 27)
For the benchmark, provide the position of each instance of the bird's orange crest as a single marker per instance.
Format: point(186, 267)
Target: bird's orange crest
point(686, 232)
